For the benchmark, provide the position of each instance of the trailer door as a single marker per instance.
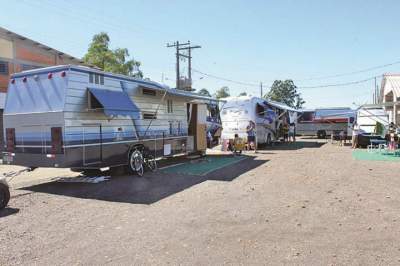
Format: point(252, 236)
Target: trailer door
point(92, 144)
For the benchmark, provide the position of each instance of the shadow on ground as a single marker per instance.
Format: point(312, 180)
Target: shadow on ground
point(8, 211)
point(299, 144)
point(146, 190)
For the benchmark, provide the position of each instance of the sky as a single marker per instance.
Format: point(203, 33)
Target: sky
point(244, 41)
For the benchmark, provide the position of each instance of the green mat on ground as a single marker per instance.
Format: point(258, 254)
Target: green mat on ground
point(204, 165)
point(374, 156)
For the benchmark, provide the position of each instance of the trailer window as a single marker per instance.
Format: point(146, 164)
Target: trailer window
point(4, 68)
point(260, 110)
point(306, 116)
point(93, 103)
point(96, 78)
point(169, 106)
point(149, 116)
point(149, 92)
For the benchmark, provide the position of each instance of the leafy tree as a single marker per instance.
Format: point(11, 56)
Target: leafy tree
point(222, 93)
point(243, 93)
point(204, 92)
point(116, 61)
point(285, 92)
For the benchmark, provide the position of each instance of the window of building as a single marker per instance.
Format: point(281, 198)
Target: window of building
point(4, 68)
point(170, 106)
point(149, 116)
point(96, 78)
point(149, 92)
point(170, 127)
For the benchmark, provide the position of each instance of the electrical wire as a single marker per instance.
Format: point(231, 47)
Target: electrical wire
point(351, 73)
point(225, 79)
point(338, 84)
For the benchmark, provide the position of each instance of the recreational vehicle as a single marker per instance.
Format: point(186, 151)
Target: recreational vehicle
point(267, 115)
point(324, 122)
point(82, 118)
point(368, 118)
point(373, 123)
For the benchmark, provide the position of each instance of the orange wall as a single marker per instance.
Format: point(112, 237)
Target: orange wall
point(24, 53)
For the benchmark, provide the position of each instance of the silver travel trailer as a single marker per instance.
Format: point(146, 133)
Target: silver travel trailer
point(267, 115)
point(82, 118)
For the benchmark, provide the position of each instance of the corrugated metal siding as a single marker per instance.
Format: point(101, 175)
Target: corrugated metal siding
point(76, 113)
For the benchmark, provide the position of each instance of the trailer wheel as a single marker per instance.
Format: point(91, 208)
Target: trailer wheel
point(269, 140)
point(136, 162)
point(321, 134)
point(4, 196)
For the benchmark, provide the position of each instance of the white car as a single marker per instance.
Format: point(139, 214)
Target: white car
point(4, 193)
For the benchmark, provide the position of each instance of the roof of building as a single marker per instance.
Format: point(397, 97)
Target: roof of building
point(391, 83)
point(40, 45)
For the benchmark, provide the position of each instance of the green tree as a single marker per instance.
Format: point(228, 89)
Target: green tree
point(222, 93)
point(204, 92)
point(285, 92)
point(243, 93)
point(116, 61)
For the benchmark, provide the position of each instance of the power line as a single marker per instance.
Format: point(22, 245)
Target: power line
point(226, 79)
point(300, 87)
point(338, 84)
point(350, 73)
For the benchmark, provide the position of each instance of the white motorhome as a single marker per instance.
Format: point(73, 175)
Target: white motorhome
point(267, 115)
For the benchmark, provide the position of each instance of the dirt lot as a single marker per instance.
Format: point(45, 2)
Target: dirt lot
point(308, 204)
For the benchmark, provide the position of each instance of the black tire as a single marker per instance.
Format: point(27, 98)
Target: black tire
point(151, 163)
point(269, 140)
point(321, 134)
point(136, 162)
point(4, 196)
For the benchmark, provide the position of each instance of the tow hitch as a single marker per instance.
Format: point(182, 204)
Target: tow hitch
point(5, 188)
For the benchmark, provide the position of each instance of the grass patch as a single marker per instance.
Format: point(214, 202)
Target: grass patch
point(364, 155)
point(204, 165)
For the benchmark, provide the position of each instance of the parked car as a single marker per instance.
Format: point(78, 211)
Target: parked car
point(4, 193)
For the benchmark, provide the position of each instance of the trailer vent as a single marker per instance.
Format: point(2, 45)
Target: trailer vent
point(10, 139)
point(56, 140)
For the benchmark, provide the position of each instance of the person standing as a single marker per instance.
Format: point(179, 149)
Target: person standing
point(354, 138)
point(292, 136)
point(251, 135)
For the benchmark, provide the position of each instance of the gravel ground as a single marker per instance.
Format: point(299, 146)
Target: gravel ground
point(309, 204)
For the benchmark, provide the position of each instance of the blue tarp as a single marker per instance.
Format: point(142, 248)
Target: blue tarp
point(115, 102)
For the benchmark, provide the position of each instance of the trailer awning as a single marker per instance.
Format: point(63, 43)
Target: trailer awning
point(115, 102)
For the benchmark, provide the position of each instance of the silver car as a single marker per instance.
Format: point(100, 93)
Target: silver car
point(4, 193)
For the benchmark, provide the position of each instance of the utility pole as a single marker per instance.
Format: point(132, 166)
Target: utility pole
point(261, 89)
point(181, 47)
